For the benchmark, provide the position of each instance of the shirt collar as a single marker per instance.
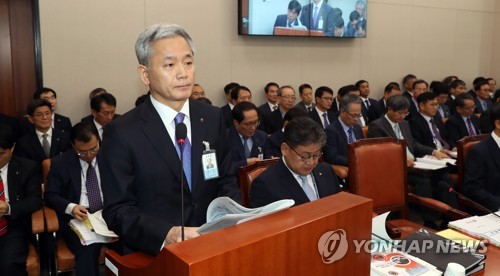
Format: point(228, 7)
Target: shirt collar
point(493, 134)
point(344, 126)
point(5, 168)
point(390, 122)
point(167, 114)
point(97, 125)
point(39, 133)
point(320, 113)
point(319, 4)
point(427, 118)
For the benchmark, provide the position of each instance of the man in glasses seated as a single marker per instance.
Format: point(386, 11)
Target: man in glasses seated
point(297, 175)
point(247, 143)
point(344, 130)
point(74, 190)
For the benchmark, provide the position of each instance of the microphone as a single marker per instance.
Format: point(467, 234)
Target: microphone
point(472, 202)
point(180, 136)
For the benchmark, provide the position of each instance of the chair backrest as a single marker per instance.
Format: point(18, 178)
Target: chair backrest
point(377, 170)
point(45, 173)
point(365, 131)
point(463, 147)
point(249, 173)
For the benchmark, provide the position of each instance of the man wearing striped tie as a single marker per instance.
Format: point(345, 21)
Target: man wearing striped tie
point(20, 195)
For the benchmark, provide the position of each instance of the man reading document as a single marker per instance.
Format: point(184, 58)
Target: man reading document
point(141, 167)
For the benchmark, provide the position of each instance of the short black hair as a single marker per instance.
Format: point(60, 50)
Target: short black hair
point(240, 108)
point(229, 87)
point(266, 88)
point(322, 90)
point(360, 82)
point(38, 93)
point(294, 112)
point(441, 89)
point(7, 139)
point(478, 79)
point(304, 86)
point(141, 99)
point(419, 81)
point(108, 98)
point(361, 24)
point(391, 86)
point(479, 83)
point(344, 90)
point(397, 103)
point(82, 132)
point(303, 131)
point(205, 100)
point(338, 22)
point(495, 112)
point(449, 79)
point(456, 83)
point(236, 91)
point(36, 103)
point(460, 99)
point(408, 77)
point(354, 15)
point(96, 91)
point(425, 97)
point(295, 6)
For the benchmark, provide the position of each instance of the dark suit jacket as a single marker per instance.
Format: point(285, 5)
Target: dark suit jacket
point(372, 113)
point(271, 122)
point(479, 107)
point(457, 129)
point(472, 93)
point(334, 109)
point(446, 111)
point(282, 21)
point(482, 174)
point(325, 13)
point(315, 116)
point(422, 133)
point(228, 115)
point(61, 123)
point(485, 124)
point(335, 150)
point(277, 183)
point(381, 108)
point(238, 152)
point(140, 173)
point(382, 128)
point(413, 110)
point(275, 141)
point(90, 121)
point(264, 110)
point(303, 106)
point(451, 105)
point(25, 195)
point(29, 146)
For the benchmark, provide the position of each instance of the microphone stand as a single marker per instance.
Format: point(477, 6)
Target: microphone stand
point(181, 149)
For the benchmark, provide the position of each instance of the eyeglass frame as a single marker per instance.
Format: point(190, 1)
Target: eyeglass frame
point(306, 159)
point(93, 150)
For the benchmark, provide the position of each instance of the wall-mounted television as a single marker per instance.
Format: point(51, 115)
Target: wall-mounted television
point(334, 18)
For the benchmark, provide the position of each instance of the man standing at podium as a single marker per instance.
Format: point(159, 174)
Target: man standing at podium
point(297, 175)
point(141, 168)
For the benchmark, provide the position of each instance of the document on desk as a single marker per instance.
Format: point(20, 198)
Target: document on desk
point(224, 212)
point(486, 227)
point(432, 163)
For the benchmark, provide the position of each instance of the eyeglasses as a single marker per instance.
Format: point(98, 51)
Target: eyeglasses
point(93, 150)
point(250, 124)
point(354, 116)
point(327, 98)
point(289, 97)
point(402, 113)
point(308, 157)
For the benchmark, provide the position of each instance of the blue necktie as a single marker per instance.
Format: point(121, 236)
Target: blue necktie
point(307, 189)
point(93, 192)
point(350, 136)
point(315, 17)
point(186, 152)
point(246, 147)
point(325, 120)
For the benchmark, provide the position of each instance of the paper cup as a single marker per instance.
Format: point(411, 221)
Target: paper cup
point(454, 269)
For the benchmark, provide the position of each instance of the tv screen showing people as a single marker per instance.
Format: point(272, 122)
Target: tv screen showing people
point(340, 18)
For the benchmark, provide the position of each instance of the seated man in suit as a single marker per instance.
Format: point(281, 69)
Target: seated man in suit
point(321, 114)
point(297, 175)
point(475, 82)
point(103, 108)
point(74, 190)
point(20, 195)
point(140, 165)
point(482, 167)
point(248, 144)
point(442, 92)
point(306, 96)
point(274, 121)
point(485, 123)
point(226, 109)
point(344, 130)
point(276, 139)
point(59, 122)
point(457, 87)
point(392, 124)
point(419, 87)
point(369, 106)
point(43, 142)
point(483, 100)
point(290, 19)
point(425, 128)
point(390, 90)
point(408, 81)
point(463, 122)
point(271, 90)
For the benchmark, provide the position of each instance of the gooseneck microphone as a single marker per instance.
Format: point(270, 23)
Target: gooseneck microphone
point(180, 136)
point(472, 202)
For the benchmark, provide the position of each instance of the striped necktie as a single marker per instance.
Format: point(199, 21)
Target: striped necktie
point(3, 220)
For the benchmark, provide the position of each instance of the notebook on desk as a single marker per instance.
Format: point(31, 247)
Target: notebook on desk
point(440, 251)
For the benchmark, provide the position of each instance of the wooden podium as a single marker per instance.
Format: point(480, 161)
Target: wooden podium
point(284, 243)
point(296, 32)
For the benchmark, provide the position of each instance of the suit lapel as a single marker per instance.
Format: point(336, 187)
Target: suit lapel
point(291, 183)
point(157, 134)
point(321, 182)
point(198, 134)
point(13, 179)
point(236, 143)
point(76, 174)
point(387, 126)
point(55, 143)
point(37, 146)
point(494, 151)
